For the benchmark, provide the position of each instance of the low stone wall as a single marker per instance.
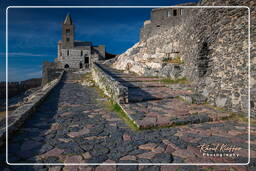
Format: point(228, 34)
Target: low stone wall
point(109, 85)
point(18, 117)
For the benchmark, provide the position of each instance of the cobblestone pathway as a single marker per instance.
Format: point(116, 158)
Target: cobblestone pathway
point(153, 103)
point(73, 126)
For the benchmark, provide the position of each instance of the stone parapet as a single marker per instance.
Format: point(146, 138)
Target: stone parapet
point(109, 85)
point(18, 117)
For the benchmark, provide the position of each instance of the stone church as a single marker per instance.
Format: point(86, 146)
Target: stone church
point(73, 54)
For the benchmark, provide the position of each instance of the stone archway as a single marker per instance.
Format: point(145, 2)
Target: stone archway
point(66, 66)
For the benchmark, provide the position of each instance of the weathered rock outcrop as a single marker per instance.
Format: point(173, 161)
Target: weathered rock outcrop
point(212, 45)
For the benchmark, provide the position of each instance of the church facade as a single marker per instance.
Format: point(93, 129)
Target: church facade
point(74, 54)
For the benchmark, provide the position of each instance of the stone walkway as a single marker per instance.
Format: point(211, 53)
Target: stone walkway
point(155, 104)
point(73, 126)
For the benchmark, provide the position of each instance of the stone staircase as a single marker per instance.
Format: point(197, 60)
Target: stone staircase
point(153, 103)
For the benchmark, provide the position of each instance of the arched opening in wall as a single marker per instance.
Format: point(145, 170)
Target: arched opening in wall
point(80, 65)
point(204, 60)
point(66, 66)
point(86, 61)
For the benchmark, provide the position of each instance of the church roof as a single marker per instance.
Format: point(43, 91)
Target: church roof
point(68, 19)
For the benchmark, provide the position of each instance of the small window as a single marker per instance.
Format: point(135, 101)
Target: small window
point(168, 14)
point(67, 32)
point(67, 52)
point(157, 25)
point(174, 12)
point(67, 39)
point(81, 53)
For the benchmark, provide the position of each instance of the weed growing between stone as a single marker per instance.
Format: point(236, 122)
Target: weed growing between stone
point(238, 117)
point(111, 105)
point(119, 111)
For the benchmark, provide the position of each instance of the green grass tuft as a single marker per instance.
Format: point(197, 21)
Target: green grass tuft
point(113, 106)
point(176, 60)
point(177, 81)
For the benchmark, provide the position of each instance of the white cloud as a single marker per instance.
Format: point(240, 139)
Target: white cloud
point(22, 73)
point(35, 74)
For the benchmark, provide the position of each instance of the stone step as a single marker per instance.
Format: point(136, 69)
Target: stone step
point(142, 84)
point(155, 104)
point(145, 94)
point(170, 112)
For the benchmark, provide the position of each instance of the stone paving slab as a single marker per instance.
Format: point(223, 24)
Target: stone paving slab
point(170, 112)
point(143, 94)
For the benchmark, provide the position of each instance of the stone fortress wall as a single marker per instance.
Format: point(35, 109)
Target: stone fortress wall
point(213, 43)
point(50, 72)
point(15, 88)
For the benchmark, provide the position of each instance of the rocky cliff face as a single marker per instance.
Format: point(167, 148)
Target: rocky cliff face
point(207, 46)
point(158, 52)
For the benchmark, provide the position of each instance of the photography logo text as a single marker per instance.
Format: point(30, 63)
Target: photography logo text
point(219, 150)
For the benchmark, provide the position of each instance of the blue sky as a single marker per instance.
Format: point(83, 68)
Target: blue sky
point(34, 33)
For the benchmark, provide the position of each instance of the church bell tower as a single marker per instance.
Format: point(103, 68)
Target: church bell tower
point(68, 32)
